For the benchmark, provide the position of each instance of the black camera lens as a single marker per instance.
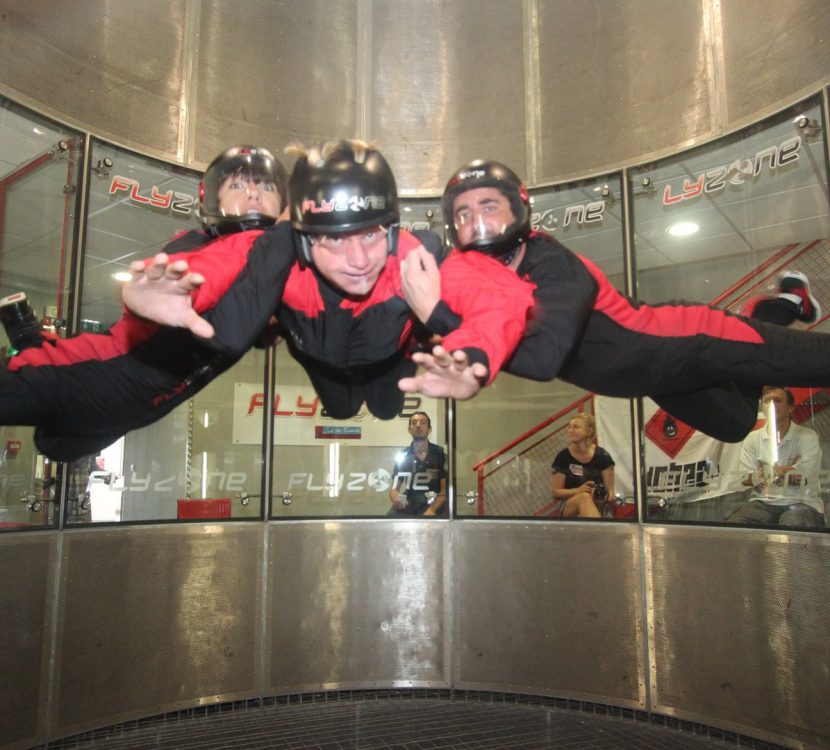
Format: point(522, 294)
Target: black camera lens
point(600, 492)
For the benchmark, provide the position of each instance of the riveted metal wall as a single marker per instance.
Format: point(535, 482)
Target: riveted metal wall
point(551, 609)
point(27, 562)
point(447, 85)
point(357, 604)
point(156, 618)
point(117, 69)
point(738, 629)
point(618, 79)
point(555, 88)
point(771, 56)
point(272, 73)
point(730, 631)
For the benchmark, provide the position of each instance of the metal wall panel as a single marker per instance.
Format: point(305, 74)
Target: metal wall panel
point(26, 585)
point(447, 86)
point(551, 609)
point(114, 68)
point(738, 629)
point(357, 605)
point(556, 89)
point(156, 618)
point(272, 73)
point(618, 80)
point(773, 56)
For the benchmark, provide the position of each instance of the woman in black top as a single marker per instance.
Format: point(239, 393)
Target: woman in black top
point(583, 473)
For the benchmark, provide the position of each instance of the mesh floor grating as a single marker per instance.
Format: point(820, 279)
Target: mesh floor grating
point(407, 722)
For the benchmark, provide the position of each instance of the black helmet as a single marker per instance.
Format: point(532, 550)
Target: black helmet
point(341, 187)
point(480, 174)
point(253, 162)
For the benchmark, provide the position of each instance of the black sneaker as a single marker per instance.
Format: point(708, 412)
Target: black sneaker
point(795, 287)
point(18, 318)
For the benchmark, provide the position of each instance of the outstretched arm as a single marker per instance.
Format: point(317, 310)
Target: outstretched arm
point(445, 375)
point(161, 291)
point(234, 284)
point(492, 304)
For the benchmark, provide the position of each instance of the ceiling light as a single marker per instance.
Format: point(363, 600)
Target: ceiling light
point(122, 276)
point(683, 229)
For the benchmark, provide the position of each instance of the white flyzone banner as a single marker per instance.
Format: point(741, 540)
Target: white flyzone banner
point(299, 419)
point(677, 459)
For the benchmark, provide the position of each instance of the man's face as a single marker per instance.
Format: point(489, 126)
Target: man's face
point(419, 426)
point(351, 262)
point(778, 399)
point(240, 195)
point(481, 213)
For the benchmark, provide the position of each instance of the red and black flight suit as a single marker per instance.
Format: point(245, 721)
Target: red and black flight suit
point(355, 350)
point(84, 392)
point(703, 365)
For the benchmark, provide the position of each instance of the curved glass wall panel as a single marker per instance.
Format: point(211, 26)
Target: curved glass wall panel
point(325, 467)
point(758, 200)
point(509, 435)
point(39, 174)
point(721, 224)
point(187, 464)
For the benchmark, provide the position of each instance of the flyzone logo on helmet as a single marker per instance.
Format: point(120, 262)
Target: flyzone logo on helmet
point(345, 203)
point(470, 174)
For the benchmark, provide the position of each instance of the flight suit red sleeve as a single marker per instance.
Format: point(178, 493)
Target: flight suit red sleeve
point(494, 304)
point(244, 285)
point(220, 263)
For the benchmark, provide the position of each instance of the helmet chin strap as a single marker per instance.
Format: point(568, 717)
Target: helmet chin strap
point(516, 256)
point(507, 258)
point(483, 232)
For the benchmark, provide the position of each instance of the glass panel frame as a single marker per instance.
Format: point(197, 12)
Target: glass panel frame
point(769, 215)
point(334, 469)
point(759, 199)
point(508, 436)
point(40, 163)
point(185, 466)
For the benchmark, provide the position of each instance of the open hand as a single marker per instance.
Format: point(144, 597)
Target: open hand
point(160, 291)
point(445, 375)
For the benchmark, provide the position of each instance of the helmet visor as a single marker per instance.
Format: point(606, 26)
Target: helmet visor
point(243, 193)
point(243, 183)
point(481, 216)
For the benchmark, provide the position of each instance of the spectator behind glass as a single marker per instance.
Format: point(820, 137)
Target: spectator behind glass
point(785, 492)
point(583, 473)
point(419, 487)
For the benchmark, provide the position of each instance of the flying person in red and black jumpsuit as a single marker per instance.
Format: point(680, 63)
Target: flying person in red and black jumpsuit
point(83, 393)
point(340, 306)
point(703, 365)
point(342, 310)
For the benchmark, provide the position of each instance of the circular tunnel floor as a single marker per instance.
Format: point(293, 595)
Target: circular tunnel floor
point(409, 722)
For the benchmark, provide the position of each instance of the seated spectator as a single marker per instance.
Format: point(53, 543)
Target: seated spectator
point(785, 492)
point(419, 487)
point(583, 473)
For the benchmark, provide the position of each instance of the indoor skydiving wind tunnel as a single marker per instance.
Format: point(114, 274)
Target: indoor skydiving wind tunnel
point(242, 548)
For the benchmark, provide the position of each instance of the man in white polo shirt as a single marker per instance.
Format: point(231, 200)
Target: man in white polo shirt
point(781, 469)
